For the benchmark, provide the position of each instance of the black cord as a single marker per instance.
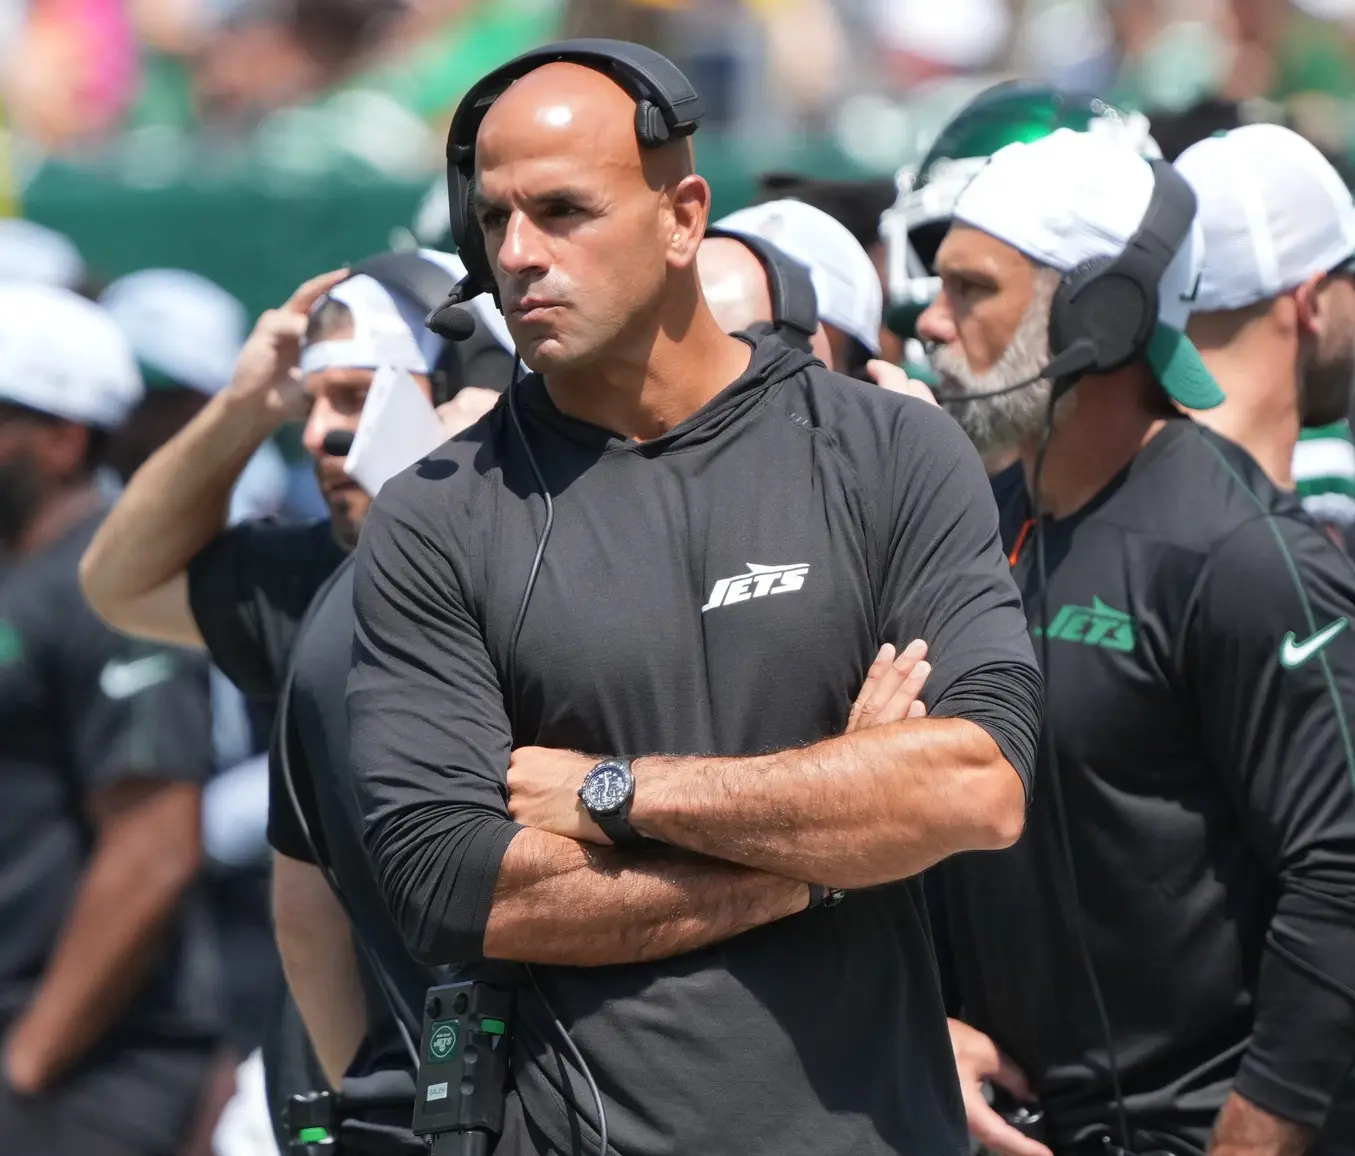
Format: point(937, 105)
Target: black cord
point(388, 989)
point(578, 1059)
point(1056, 786)
point(510, 674)
point(541, 542)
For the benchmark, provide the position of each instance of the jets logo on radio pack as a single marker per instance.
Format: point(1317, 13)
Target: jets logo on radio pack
point(758, 582)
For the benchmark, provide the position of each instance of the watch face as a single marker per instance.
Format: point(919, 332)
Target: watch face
point(606, 788)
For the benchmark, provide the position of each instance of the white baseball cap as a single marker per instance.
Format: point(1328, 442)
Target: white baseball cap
point(63, 355)
point(34, 253)
point(182, 327)
point(389, 330)
point(845, 280)
point(1274, 213)
point(1073, 197)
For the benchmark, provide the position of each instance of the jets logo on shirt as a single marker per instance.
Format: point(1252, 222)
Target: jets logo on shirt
point(759, 582)
point(1094, 625)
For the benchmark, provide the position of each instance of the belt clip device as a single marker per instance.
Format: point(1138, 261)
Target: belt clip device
point(463, 1067)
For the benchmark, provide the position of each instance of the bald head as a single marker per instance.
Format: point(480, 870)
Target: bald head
point(566, 105)
point(734, 282)
point(592, 238)
point(735, 286)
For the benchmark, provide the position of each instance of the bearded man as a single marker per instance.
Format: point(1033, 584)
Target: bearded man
point(1166, 960)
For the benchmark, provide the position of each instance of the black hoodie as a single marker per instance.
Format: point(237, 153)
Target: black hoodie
point(721, 589)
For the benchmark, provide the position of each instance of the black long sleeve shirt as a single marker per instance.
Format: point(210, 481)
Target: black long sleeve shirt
point(719, 590)
point(1198, 697)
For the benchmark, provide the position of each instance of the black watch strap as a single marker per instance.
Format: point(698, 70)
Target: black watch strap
point(617, 828)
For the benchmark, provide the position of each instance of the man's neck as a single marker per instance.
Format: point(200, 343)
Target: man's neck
point(663, 383)
point(1097, 432)
point(1261, 413)
point(62, 510)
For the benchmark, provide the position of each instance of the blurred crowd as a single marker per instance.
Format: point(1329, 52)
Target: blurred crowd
point(76, 72)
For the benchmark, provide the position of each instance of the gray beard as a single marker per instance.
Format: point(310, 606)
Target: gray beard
point(998, 424)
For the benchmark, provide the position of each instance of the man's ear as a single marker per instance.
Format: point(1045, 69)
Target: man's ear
point(1308, 305)
point(690, 209)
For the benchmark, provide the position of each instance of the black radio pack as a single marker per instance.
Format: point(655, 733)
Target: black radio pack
point(463, 1067)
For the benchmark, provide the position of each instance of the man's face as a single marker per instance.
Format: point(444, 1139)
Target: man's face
point(1330, 372)
point(34, 455)
point(577, 232)
point(990, 328)
point(337, 397)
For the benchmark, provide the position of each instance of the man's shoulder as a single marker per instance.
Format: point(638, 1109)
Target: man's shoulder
point(447, 480)
point(1217, 520)
point(1202, 489)
point(259, 546)
point(860, 414)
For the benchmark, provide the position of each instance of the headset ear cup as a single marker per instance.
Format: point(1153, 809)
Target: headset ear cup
point(471, 245)
point(1063, 327)
point(650, 127)
point(1110, 311)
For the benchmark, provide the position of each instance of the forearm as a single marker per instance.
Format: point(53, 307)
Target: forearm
point(106, 950)
point(561, 902)
point(1243, 1129)
point(852, 811)
point(172, 507)
point(319, 960)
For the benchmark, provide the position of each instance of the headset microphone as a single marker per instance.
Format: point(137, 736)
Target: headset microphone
point(1062, 370)
point(449, 321)
point(337, 443)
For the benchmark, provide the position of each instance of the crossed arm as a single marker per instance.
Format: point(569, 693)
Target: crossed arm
point(641, 905)
point(765, 817)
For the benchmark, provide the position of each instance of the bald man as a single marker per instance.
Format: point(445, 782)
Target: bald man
point(734, 283)
point(737, 537)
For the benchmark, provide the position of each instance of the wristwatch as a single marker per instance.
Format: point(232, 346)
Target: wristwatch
point(607, 793)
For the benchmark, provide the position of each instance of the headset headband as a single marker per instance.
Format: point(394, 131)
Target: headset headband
point(666, 107)
point(795, 305)
point(1105, 312)
point(1160, 235)
point(642, 72)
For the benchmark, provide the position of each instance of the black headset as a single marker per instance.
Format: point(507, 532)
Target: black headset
point(795, 305)
point(1104, 311)
point(666, 108)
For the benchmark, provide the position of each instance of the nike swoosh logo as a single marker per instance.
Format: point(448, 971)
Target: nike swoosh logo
point(1294, 653)
point(120, 680)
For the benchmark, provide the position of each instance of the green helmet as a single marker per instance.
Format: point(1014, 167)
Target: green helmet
point(1008, 112)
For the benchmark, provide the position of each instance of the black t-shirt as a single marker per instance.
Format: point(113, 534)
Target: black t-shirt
point(811, 518)
point(1201, 672)
point(82, 707)
point(249, 589)
point(317, 738)
point(266, 595)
